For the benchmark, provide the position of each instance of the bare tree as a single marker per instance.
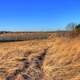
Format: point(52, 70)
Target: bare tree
point(71, 27)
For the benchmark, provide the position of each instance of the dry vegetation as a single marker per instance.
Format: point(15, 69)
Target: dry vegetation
point(22, 36)
point(54, 58)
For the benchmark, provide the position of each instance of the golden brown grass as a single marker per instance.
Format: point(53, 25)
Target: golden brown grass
point(56, 58)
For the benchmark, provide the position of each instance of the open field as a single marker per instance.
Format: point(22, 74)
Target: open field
point(24, 36)
point(52, 58)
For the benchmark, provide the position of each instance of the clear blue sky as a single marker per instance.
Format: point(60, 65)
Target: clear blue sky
point(33, 15)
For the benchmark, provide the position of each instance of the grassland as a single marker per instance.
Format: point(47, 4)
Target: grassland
point(54, 58)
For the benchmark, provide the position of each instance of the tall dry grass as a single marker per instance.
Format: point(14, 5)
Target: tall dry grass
point(55, 58)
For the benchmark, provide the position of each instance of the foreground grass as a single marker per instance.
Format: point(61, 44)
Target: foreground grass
point(51, 59)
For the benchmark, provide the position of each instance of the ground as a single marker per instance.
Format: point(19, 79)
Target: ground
point(49, 59)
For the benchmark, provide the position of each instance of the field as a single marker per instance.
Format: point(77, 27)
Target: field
point(56, 57)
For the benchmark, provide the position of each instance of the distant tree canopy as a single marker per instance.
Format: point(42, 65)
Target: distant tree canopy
point(73, 27)
point(77, 28)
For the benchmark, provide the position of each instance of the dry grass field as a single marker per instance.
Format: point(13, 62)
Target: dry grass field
point(55, 58)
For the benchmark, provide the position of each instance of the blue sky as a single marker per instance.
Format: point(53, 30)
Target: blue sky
point(38, 15)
